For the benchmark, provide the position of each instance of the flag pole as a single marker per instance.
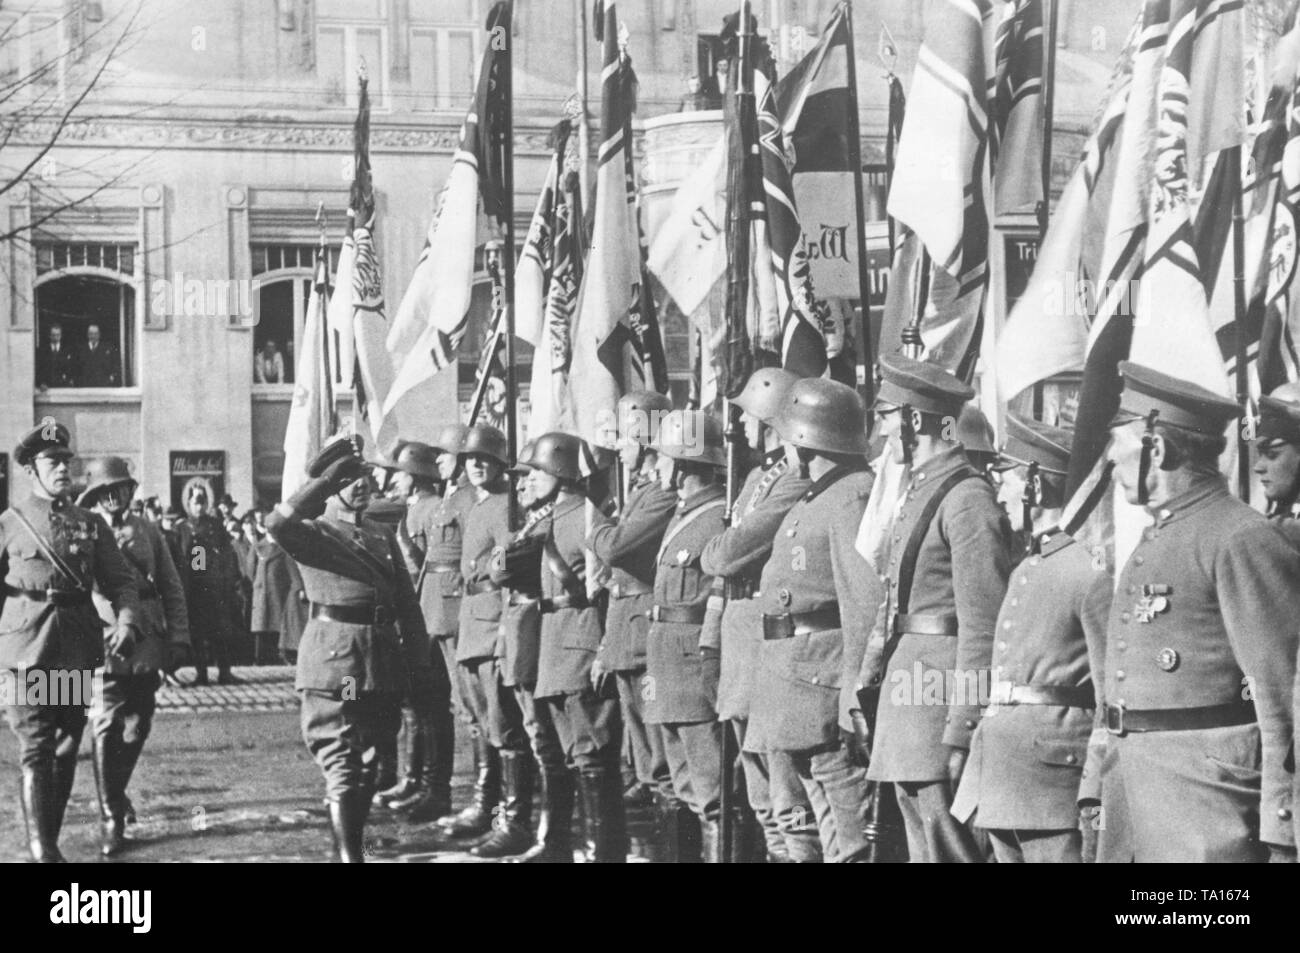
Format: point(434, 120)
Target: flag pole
point(584, 144)
point(1049, 106)
point(331, 421)
point(508, 256)
point(1239, 295)
point(865, 380)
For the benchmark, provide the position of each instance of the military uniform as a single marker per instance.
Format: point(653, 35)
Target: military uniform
point(772, 784)
point(1196, 674)
point(628, 547)
point(365, 634)
point(210, 571)
point(48, 625)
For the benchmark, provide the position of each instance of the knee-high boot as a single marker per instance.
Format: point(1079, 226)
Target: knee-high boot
point(602, 802)
point(476, 817)
point(348, 825)
point(555, 826)
point(410, 786)
point(112, 819)
point(512, 827)
point(37, 793)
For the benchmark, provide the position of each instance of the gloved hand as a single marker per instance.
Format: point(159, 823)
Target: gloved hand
point(956, 765)
point(1090, 824)
point(333, 452)
point(598, 675)
point(858, 741)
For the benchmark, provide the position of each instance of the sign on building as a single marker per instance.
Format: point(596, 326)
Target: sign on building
point(204, 468)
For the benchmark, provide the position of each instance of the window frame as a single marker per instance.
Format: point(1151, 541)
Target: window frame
point(444, 92)
point(381, 102)
point(131, 357)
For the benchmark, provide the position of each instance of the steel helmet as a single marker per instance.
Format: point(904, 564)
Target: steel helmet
point(103, 473)
point(417, 459)
point(692, 436)
point(765, 391)
point(521, 466)
point(450, 438)
point(974, 430)
point(558, 454)
point(639, 415)
point(486, 440)
point(825, 415)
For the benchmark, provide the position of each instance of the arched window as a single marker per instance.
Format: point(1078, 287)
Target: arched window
point(284, 275)
point(85, 316)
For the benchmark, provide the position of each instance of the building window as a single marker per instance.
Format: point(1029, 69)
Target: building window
point(30, 53)
point(349, 34)
point(284, 276)
point(85, 312)
point(442, 67)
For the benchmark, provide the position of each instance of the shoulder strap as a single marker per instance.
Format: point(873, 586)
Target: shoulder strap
point(907, 565)
point(686, 521)
point(562, 571)
point(48, 552)
point(359, 553)
point(830, 479)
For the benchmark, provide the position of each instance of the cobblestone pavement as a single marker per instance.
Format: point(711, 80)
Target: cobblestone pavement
point(225, 778)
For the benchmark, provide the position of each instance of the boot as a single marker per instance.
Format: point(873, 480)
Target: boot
point(112, 819)
point(410, 786)
point(602, 803)
point(65, 771)
point(199, 649)
point(711, 841)
point(37, 796)
point(476, 818)
point(555, 826)
point(439, 753)
point(679, 832)
point(511, 828)
point(348, 826)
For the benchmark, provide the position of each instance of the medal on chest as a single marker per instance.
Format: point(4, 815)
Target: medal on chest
point(1154, 601)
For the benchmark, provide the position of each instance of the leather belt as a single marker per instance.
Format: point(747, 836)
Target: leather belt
point(59, 598)
point(920, 624)
point(478, 588)
point(788, 625)
point(1067, 696)
point(690, 615)
point(1121, 720)
point(443, 567)
point(627, 590)
point(353, 615)
point(565, 601)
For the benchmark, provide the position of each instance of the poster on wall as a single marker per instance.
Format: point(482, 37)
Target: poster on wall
point(204, 468)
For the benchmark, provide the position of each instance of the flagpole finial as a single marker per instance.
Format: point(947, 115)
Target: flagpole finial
point(362, 74)
point(887, 49)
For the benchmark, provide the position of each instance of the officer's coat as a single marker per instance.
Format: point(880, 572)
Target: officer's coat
point(437, 524)
point(1228, 632)
point(521, 620)
point(682, 657)
point(279, 603)
point(739, 552)
point(163, 616)
point(1026, 760)
point(337, 657)
point(628, 546)
point(570, 636)
point(486, 526)
point(805, 685)
point(961, 571)
point(40, 635)
point(209, 568)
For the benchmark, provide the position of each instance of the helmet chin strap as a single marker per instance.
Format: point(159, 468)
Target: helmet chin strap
point(1030, 498)
point(1144, 460)
point(907, 433)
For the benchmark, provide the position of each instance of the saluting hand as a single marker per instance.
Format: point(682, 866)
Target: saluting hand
point(956, 765)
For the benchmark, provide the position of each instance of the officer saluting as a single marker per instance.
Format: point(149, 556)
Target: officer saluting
point(351, 662)
point(1203, 621)
point(1027, 755)
point(51, 554)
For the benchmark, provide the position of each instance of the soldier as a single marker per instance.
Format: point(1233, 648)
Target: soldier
point(518, 566)
point(948, 565)
point(682, 647)
point(772, 784)
point(484, 455)
point(425, 791)
point(123, 717)
point(976, 436)
point(1202, 624)
point(51, 554)
point(627, 545)
point(210, 571)
point(365, 632)
point(586, 719)
point(817, 596)
point(1021, 781)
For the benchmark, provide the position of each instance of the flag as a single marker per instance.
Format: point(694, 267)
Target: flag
point(938, 194)
point(607, 356)
point(1017, 127)
point(373, 370)
point(1279, 148)
point(689, 253)
point(311, 415)
point(339, 312)
point(434, 313)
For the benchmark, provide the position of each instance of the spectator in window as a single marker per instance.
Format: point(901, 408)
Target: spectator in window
point(695, 98)
point(268, 364)
point(100, 365)
point(56, 363)
point(719, 90)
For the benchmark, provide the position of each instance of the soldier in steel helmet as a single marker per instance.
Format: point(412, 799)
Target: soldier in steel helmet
point(627, 545)
point(817, 597)
point(123, 717)
point(772, 784)
point(52, 553)
point(365, 633)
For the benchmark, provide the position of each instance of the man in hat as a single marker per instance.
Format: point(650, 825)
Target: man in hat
point(818, 595)
point(627, 545)
point(365, 633)
point(124, 716)
point(771, 490)
point(1277, 442)
point(429, 730)
point(52, 553)
point(947, 574)
point(1021, 782)
point(209, 568)
point(1196, 672)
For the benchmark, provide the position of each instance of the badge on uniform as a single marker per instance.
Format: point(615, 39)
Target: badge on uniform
point(683, 557)
point(784, 597)
point(1155, 600)
point(1167, 659)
